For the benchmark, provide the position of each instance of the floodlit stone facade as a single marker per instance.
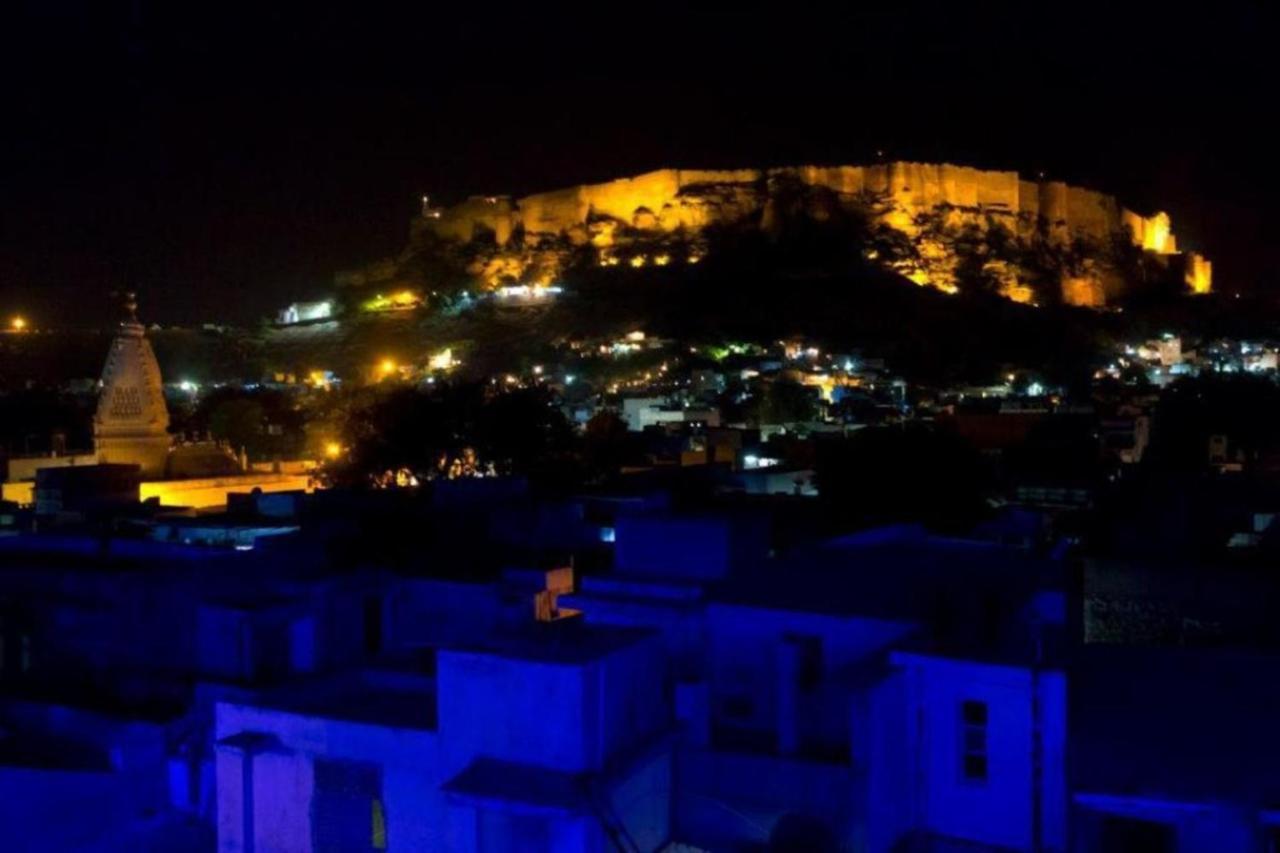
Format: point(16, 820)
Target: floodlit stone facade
point(681, 201)
point(131, 425)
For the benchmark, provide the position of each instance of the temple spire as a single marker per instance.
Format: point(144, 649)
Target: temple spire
point(132, 422)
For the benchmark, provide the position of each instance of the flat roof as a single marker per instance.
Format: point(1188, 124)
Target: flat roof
point(359, 699)
point(570, 641)
point(889, 573)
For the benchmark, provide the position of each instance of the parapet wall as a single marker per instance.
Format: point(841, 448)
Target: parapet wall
point(670, 198)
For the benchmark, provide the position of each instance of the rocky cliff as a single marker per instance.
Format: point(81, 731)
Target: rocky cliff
point(934, 208)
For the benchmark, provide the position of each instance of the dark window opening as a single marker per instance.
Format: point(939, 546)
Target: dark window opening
point(974, 766)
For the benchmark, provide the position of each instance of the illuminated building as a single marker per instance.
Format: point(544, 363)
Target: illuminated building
point(400, 300)
point(625, 218)
point(131, 425)
point(306, 312)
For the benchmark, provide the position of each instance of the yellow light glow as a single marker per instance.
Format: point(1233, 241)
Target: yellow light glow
point(387, 367)
point(442, 360)
point(638, 261)
point(1018, 292)
point(662, 260)
point(333, 450)
point(213, 491)
point(18, 324)
point(1199, 274)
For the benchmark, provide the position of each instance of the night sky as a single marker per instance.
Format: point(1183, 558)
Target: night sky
point(224, 159)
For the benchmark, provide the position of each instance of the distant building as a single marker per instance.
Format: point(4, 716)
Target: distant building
point(643, 412)
point(305, 312)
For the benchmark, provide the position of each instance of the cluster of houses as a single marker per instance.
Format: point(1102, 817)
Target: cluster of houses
point(489, 669)
point(643, 666)
point(1164, 359)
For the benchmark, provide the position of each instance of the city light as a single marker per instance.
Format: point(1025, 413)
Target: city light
point(332, 449)
point(18, 324)
point(443, 360)
point(387, 367)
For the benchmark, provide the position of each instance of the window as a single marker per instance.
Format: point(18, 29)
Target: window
point(973, 741)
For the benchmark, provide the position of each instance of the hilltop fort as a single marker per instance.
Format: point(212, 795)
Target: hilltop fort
point(947, 221)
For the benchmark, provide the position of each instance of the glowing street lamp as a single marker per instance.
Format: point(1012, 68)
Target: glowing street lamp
point(387, 367)
point(333, 450)
point(18, 324)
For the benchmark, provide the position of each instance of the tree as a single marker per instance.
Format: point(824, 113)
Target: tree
point(265, 423)
point(412, 435)
point(1243, 409)
point(782, 402)
point(891, 474)
point(239, 422)
point(606, 443)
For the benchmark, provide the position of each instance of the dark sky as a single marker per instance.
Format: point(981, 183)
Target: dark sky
point(224, 159)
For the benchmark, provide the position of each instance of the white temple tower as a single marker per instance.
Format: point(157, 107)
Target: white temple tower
point(131, 425)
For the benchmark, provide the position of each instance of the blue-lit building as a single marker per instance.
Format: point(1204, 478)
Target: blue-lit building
point(500, 675)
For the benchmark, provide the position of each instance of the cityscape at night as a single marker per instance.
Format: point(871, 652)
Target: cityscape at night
point(684, 430)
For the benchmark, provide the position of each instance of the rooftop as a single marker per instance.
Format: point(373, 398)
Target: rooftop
point(567, 641)
point(892, 572)
point(1190, 725)
point(399, 701)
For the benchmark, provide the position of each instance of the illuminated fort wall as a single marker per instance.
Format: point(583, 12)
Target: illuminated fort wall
point(669, 199)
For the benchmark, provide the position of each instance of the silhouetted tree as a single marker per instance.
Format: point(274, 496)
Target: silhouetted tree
point(888, 474)
point(606, 443)
point(781, 402)
point(1243, 409)
point(414, 435)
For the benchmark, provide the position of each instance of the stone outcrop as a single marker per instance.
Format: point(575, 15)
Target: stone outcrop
point(682, 202)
